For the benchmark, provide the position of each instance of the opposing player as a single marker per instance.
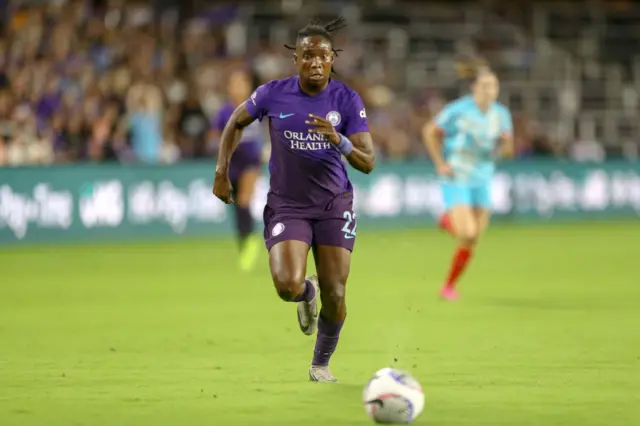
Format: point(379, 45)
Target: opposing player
point(463, 141)
point(244, 168)
point(313, 121)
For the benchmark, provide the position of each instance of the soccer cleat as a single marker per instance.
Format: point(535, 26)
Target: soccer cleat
point(308, 311)
point(249, 253)
point(321, 374)
point(448, 293)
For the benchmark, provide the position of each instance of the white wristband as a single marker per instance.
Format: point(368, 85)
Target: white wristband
point(345, 146)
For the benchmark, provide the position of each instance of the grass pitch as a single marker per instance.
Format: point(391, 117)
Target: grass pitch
point(547, 333)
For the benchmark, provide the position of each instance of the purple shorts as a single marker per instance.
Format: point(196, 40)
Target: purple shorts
point(334, 225)
point(246, 156)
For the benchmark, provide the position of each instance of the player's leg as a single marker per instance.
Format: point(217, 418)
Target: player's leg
point(481, 199)
point(446, 224)
point(249, 242)
point(458, 204)
point(332, 265)
point(288, 242)
point(482, 216)
point(334, 241)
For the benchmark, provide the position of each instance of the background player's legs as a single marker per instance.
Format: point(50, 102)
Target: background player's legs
point(249, 242)
point(468, 221)
point(332, 264)
point(464, 223)
point(482, 217)
point(465, 227)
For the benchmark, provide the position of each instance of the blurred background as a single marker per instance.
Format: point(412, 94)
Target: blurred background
point(74, 72)
point(121, 99)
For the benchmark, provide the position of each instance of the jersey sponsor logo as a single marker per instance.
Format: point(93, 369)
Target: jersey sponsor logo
point(278, 229)
point(307, 141)
point(363, 113)
point(334, 118)
point(282, 115)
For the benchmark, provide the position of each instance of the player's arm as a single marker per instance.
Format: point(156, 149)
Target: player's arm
point(254, 108)
point(362, 157)
point(432, 136)
point(506, 147)
point(357, 145)
point(231, 135)
point(357, 148)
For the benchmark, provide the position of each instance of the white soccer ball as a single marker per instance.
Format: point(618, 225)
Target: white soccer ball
point(393, 396)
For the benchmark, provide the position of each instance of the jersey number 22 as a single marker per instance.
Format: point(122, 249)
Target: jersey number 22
point(349, 233)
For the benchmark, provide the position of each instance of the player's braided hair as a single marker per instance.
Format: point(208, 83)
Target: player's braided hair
point(315, 27)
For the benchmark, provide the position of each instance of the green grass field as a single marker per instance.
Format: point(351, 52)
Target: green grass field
point(547, 333)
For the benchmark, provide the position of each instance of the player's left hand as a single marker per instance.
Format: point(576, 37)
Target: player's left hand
point(324, 127)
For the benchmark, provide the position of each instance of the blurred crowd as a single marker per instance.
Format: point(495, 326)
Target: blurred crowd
point(120, 81)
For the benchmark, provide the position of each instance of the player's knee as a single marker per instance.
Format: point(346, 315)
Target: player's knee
point(287, 284)
point(333, 295)
point(468, 235)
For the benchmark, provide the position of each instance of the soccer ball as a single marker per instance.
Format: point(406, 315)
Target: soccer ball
point(393, 396)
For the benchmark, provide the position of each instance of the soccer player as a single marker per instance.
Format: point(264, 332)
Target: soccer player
point(314, 120)
point(244, 168)
point(462, 141)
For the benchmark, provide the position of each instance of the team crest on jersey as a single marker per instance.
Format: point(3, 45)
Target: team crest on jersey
point(277, 229)
point(334, 118)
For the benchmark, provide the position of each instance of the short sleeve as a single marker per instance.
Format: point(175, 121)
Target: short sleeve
point(355, 116)
point(506, 122)
point(257, 104)
point(445, 120)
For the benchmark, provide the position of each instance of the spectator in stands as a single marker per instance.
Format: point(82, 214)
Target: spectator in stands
point(144, 110)
point(121, 81)
point(192, 126)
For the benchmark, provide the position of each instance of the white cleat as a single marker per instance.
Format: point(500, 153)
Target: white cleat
point(321, 374)
point(308, 311)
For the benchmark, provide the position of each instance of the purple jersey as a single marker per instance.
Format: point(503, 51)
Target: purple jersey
point(248, 153)
point(307, 171)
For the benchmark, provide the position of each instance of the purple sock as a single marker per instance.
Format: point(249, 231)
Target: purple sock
point(307, 294)
point(327, 340)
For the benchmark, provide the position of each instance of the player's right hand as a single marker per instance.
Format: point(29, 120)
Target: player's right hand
point(444, 169)
point(222, 188)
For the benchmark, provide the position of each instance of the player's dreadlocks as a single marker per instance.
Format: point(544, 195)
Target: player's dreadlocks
point(315, 27)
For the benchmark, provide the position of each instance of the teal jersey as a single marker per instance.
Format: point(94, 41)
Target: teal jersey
point(471, 137)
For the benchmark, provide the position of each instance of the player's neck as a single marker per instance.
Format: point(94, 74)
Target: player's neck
point(482, 106)
point(311, 90)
